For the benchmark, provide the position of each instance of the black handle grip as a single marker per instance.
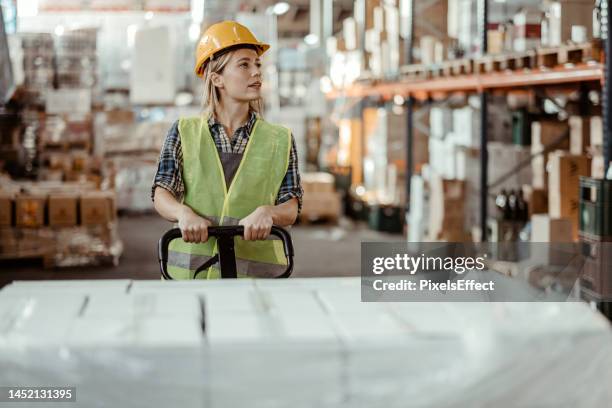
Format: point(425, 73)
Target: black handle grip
point(218, 231)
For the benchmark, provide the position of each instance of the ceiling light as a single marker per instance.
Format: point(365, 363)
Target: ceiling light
point(280, 8)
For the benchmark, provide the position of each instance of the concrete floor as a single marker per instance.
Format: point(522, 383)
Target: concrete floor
point(320, 250)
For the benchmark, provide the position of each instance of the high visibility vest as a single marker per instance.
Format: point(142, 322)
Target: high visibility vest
point(256, 182)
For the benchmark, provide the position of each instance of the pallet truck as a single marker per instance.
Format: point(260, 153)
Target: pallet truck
point(226, 256)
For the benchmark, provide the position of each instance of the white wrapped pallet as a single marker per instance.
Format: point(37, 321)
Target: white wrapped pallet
point(442, 156)
point(301, 343)
point(440, 121)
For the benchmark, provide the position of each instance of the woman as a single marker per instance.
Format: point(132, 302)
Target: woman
point(228, 166)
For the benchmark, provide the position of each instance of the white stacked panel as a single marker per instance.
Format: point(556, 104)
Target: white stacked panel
point(284, 351)
point(300, 343)
point(120, 349)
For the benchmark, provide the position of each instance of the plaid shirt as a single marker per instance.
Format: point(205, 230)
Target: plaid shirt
point(169, 169)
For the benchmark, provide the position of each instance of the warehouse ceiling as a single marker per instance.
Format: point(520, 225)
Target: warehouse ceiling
point(294, 23)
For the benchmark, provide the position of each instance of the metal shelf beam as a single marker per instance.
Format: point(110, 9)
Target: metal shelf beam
point(476, 82)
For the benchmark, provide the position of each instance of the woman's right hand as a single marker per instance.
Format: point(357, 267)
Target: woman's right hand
point(193, 227)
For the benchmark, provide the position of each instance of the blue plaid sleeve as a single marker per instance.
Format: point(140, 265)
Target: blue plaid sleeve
point(291, 186)
point(169, 167)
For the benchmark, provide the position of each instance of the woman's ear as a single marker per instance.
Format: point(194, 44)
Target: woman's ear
point(217, 80)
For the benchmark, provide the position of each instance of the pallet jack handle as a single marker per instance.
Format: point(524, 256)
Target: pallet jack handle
point(226, 256)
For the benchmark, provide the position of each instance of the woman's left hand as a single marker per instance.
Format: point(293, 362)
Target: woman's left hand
point(258, 224)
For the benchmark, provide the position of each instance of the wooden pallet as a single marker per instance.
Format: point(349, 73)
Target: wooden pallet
point(504, 62)
point(414, 72)
point(66, 146)
point(436, 70)
point(462, 67)
point(488, 64)
point(524, 60)
point(567, 54)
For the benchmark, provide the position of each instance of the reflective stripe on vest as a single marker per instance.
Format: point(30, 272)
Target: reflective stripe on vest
point(256, 183)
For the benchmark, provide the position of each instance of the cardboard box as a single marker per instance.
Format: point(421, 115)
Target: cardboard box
point(580, 135)
point(318, 183)
point(97, 208)
point(446, 209)
point(80, 161)
point(321, 205)
point(431, 20)
point(564, 15)
point(30, 210)
point(536, 199)
point(6, 209)
point(543, 134)
point(563, 186)
point(119, 116)
point(63, 210)
point(504, 158)
point(556, 236)
point(495, 41)
point(547, 229)
point(8, 241)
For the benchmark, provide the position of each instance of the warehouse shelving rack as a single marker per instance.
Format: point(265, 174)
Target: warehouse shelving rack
point(485, 82)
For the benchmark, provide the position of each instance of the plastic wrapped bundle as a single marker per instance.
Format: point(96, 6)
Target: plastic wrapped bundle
point(299, 343)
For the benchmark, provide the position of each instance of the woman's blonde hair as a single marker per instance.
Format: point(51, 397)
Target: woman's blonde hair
point(211, 97)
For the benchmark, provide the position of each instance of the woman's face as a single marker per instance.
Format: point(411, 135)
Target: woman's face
point(241, 77)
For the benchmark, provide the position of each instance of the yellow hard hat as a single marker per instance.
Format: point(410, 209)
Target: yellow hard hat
point(221, 36)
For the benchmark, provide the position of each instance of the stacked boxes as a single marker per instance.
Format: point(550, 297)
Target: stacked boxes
point(38, 56)
point(565, 14)
point(563, 183)
point(97, 207)
point(543, 135)
point(6, 208)
point(385, 159)
point(76, 58)
point(63, 210)
point(321, 201)
point(56, 206)
point(580, 134)
point(547, 229)
point(536, 199)
point(30, 211)
point(62, 227)
point(447, 203)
